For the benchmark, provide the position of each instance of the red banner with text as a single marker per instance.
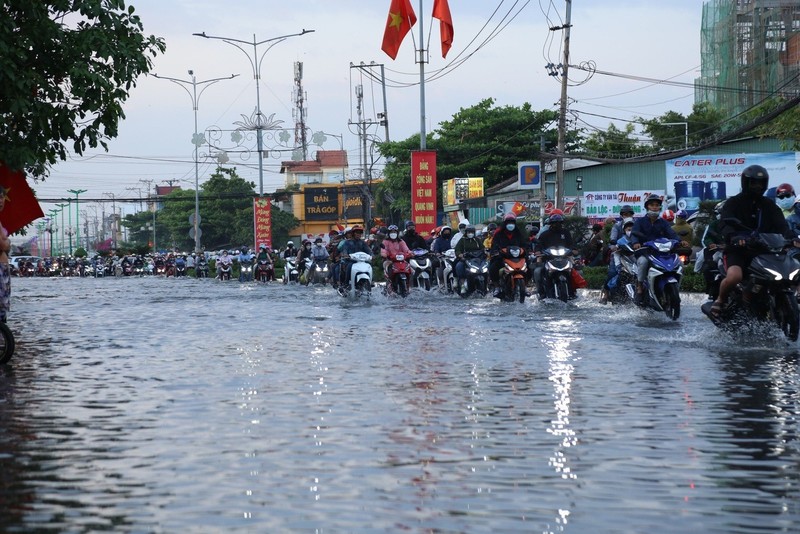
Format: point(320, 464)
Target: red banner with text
point(423, 191)
point(262, 222)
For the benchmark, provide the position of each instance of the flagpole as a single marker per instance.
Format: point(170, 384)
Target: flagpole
point(422, 134)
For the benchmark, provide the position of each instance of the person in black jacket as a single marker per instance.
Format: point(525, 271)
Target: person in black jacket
point(412, 238)
point(756, 213)
point(555, 236)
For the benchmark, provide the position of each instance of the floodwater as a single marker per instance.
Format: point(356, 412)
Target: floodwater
point(163, 405)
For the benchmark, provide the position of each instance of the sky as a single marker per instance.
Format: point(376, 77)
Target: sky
point(499, 51)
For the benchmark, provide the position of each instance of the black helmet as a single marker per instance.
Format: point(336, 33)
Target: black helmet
point(491, 227)
point(650, 198)
point(627, 208)
point(409, 224)
point(755, 179)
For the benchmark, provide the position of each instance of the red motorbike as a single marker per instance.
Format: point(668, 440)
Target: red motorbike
point(398, 275)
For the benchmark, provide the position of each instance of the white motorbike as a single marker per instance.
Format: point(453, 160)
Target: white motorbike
point(360, 277)
point(448, 272)
point(421, 268)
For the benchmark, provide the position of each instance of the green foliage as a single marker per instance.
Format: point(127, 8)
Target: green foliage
point(613, 142)
point(784, 126)
point(668, 134)
point(65, 70)
point(226, 216)
point(80, 252)
point(482, 140)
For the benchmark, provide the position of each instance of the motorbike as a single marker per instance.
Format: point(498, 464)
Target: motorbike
point(398, 276)
point(224, 271)
point(99, 270)
point(316, 271)
point(557, 274)
point(246, 271)
point(290, 271)
point(180, 269)
point(477, 269)
point(512, 274)
point(201, 270)
point(448, 259)
point(767, 291)
point(663, 283)
point(7, 343)
point(360, 284)
point(265, 271)
point(421, 268)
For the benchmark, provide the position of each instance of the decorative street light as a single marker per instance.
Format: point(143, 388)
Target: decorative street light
point(255, 63)
point(75, 192)
point(62, 206)
point(196, 140)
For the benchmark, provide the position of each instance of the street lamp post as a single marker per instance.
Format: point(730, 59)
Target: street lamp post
point(196, 141)
point(76, 192)
point(62, 206)
point(255, 63)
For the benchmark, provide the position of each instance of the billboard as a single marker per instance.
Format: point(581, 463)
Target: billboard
point(459, 189)
point(262, 221)
point(694, 179)
point(529, 175)
point(602, 204)
point(423, 191)
point(321, 203)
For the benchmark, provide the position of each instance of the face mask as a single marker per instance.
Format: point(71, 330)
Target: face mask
point(510, 227)
point(785, 203)
point(410, 231)
point(653, 214)
point(308, 246)
point(393, 235)
point(628, 232)
point(627, 219)
point(461, 230)
point(470, 235)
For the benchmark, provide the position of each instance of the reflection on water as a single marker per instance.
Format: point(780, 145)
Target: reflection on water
point(142, 405)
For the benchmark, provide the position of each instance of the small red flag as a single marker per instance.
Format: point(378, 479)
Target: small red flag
point(21, 206)
point(441, 11)
point(398, 24)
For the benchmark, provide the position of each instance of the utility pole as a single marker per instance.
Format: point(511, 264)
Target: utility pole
point(562, 116)
point(300, 111)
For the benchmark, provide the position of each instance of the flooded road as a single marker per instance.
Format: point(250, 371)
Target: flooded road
point(162, 405)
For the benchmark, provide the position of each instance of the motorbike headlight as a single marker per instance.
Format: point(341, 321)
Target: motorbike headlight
point(794, 274)
point(473, 270)
point(774, 273)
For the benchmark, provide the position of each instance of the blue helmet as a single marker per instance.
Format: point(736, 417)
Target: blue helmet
point(556, 218)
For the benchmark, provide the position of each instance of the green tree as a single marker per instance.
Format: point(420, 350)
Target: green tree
point(66, 67)
point(482, 140)
point(613, 143)
point(668, 133)
point(785, 126)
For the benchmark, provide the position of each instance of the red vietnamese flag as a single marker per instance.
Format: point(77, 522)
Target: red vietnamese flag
point(21, 206)
point(441, 11)
point(398, 24)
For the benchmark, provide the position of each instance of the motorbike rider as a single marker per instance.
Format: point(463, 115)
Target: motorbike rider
point(290, 251)
point(351, 245)
point(755, 212)
point(713, 246)
point(555, 236)
point(439, 246)
point(302, 255)
point(392, 247)
point(319, 252)
point(224, 260)
point(682, 227)
point(334, 239)
point(506, 235)
point(469, 243)
point(785, 198)
point(491, 228)
point(412, 238)
point(648, 228)
point(626, 215)
point(462, 226)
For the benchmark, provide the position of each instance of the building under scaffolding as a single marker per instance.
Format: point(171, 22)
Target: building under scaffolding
point(750, 50)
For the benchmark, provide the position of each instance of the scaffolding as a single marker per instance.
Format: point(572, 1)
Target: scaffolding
point(750, 51)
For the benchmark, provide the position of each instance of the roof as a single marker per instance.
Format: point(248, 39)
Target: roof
point(323, 159)
point(164, 190)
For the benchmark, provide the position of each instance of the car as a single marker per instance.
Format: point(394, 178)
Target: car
point(16, 261)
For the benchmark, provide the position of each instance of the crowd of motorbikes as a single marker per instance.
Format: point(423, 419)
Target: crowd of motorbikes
point(768, 292)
